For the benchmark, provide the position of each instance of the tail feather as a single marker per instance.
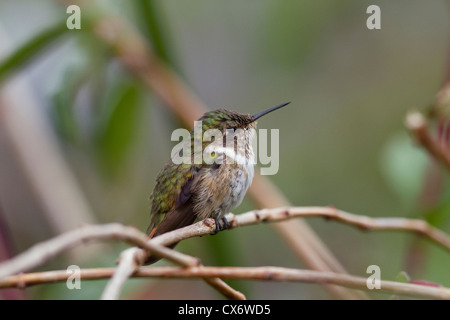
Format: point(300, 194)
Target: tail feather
point(181, 217)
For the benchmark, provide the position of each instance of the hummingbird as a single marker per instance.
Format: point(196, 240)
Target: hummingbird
point(197, 190)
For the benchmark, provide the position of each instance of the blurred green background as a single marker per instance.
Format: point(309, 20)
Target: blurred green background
point(342, 140)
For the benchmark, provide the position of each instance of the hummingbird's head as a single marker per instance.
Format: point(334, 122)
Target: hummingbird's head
point(229, 130)
point(223, 119)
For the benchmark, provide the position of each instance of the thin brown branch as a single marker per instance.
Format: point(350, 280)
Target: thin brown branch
point(44, 251)
point(281, 214)
point(363, 222)
point(244, 273)
point(132, 258)
point(417, 125)
point(207, 226)
point(126, 268)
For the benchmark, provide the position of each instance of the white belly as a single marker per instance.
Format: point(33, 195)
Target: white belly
point(240, 184)
point(240, 180)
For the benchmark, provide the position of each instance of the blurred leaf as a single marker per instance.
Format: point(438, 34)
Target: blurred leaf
point(62, 112)
point(403, 165)
point(86, 78)
point(31, 49)
point(403, 277)
point(151, 20)
point(118, 127)
point(439, 214)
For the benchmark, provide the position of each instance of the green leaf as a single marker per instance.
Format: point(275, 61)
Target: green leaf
point(403, 166)
point(403, 277)
point(61, 111)
point(118, 129)
point(31, 49)
point(439, 215)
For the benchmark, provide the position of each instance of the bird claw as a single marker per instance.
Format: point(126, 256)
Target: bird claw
point(226, 224)
point(219, 226)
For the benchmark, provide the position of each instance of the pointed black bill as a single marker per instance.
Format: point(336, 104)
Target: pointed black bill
point(262, 113)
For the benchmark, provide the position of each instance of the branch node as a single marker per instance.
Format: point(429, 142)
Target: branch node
point(209, 222)
point(415, 121)
point(257, 216)
point(21, 284)
point(268, 275)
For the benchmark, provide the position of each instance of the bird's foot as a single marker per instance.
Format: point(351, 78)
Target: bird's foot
point(220, 226)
